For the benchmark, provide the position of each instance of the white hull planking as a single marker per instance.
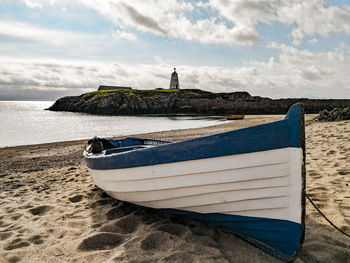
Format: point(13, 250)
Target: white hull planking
point(264, 184)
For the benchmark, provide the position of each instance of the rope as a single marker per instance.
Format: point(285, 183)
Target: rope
point(329, 221)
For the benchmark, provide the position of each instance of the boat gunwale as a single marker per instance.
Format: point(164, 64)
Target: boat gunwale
point(157, 155)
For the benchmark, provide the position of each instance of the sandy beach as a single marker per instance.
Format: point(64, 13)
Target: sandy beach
point(51, 211)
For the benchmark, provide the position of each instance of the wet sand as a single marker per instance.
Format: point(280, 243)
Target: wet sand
point(51, 211)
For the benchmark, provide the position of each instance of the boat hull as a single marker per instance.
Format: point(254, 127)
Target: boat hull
point(235, 117)
point(253, 189)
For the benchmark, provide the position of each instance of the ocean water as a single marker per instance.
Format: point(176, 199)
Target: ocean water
point(26, 122)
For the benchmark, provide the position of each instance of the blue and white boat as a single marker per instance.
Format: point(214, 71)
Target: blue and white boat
point(249, 181)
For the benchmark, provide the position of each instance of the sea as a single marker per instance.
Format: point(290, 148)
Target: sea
point(27, 122)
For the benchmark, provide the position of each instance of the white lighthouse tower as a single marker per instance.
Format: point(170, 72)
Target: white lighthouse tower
point(174, 81)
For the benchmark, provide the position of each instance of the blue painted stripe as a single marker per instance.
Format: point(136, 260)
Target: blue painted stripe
point(281, 238)
point(129, 142)
point(276, 135)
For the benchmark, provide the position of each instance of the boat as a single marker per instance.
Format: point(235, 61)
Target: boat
point(235, 117)
point(250, 181)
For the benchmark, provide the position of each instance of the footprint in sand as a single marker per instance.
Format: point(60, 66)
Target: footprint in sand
point(4, 224)
point(101, 241)
point(150, 216)
point(120, 211)
point(174, 229)
point(16, 216)
point(331, 152)
point(179, 257)
point(156, 240)
point(39, 210)
point(103, 202)
point(37, 240)
point(343, 171)
point(76, 224)
point(76, 198)
point(5, 235)
point(17, 243)
point(70, 169)
point(13, 259)
point(201, 240)
point(125, 225)
point(104, 195)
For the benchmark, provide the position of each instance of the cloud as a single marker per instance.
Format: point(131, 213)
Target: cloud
point(313, 41)
point(33, 4)
point(17, 29)
point(308, 16)
point(126, 35)
point(304, 16)
point(202, 4)
point(310, 74)
point(246, 12)
point(174, 19)
point(227, 22)
point(294, 73)
point(224, 22)
point(143, 20)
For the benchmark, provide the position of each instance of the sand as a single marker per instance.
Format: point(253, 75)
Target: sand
point(51, 211)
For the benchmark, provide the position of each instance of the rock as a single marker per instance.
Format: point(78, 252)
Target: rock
point(337, 114)
point(186, 101)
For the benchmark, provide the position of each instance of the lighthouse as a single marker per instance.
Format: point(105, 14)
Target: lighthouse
point(174, 81)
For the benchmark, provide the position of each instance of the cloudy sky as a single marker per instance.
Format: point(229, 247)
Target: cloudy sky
point(273, 48)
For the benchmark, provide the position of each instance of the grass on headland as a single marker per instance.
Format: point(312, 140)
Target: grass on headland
point(101, 93)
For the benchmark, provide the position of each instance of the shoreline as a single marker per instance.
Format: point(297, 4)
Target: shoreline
point(119, 126)
point(51, 211)
point(270, 117)
point(36, 157)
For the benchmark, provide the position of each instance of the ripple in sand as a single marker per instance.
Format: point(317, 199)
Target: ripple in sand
point(101, 241)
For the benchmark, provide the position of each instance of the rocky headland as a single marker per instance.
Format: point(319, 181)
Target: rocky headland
point(186, 101)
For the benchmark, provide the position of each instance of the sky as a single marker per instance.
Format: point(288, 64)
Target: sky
point(269, 48)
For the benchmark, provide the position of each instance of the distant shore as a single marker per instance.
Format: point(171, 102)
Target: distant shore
point(51, 211)
point(186, 101)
